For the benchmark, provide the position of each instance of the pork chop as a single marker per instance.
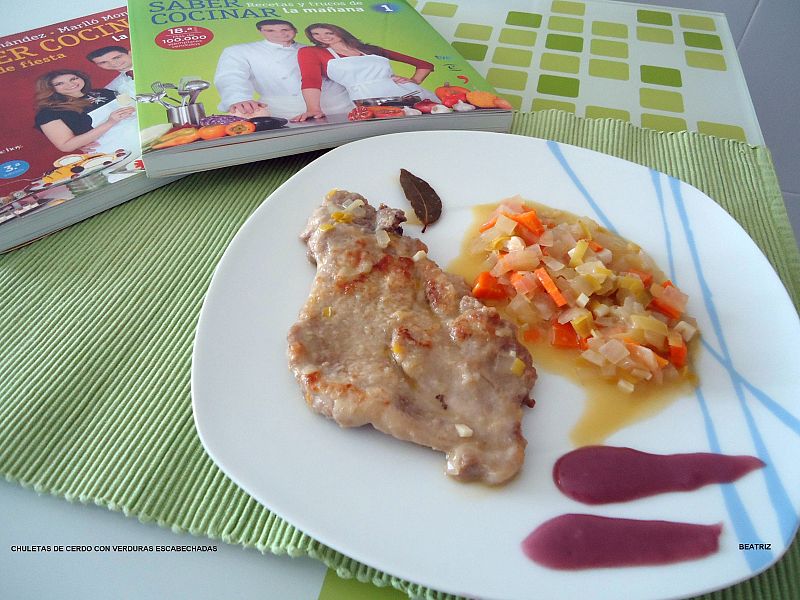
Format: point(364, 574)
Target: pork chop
point(388, 338)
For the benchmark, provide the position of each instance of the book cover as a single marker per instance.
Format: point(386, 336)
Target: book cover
point(69, 146)
point(226, 81)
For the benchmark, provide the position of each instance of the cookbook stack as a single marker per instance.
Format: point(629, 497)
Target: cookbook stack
point(105, 107)
point(69, 145)
point(222, 86)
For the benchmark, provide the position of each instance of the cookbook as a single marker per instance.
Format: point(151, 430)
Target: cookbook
point(225, 82)
point(69, 146)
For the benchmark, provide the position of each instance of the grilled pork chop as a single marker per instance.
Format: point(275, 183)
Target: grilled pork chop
point(388, 338)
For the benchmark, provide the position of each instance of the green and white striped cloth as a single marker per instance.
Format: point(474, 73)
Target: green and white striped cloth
point(97, 325)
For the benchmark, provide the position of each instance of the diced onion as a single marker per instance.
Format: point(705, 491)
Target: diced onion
point(625, 386)
point(687, 331)
point(572, 313)
point(463, 431)
point(614, 351)
point(351, 206)
point(552, 263)
point(593, 357)
point(504, 225)
point(523, 310)
point(382, 238)
point(647, 323)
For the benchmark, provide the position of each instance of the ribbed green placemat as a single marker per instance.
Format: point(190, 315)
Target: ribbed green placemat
point(97, 325)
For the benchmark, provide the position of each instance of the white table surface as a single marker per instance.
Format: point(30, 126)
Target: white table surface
point(765, 33)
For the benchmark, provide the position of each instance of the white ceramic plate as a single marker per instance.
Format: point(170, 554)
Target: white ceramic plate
point(388, 503)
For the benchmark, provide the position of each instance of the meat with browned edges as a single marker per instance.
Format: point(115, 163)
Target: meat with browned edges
point(388, 338)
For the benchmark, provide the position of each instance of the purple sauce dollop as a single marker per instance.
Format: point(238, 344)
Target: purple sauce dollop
point(575, 541)
point(602, 474)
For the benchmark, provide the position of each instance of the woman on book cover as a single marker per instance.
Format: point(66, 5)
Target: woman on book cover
point(269, 67)
point(363, 69)
point(73, 116)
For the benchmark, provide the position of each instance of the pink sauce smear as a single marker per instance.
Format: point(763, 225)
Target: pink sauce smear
point(576, 541)
point(603, 474)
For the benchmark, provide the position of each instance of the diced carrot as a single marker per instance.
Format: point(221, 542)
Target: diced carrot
point(662, 362)
point(488, 225)
point(563, 335)
point(531, 334)
point(664, 308)
point(527, 236)
point(550, 287)
point(678, 355)
point(524, 282)
point(647, 278)
point(488, 288)
point(529, 220)
point(595, 246)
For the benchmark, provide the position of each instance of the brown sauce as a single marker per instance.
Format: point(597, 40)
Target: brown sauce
point(607, 409)
point(602, 474)
point(576, 541)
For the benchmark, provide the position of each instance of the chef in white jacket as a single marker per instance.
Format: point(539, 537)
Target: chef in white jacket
point(269, 67)
point(116, 58)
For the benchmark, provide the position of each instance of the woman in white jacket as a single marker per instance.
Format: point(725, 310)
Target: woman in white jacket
point(269, 68)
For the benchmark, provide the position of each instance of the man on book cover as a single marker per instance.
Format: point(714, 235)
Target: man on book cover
point(116, 58)
point(269, 67)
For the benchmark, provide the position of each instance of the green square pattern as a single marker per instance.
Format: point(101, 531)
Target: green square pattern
point(568, 24)
point(608, 29)
point(507, 79)
point(722, 130)
point(568, 8)
point(569, 43)
point(658, 35)
point(609, 48)
point(706, 60)
point(439, 9)
point(547, 104)
point(470, 51)
point(519, 37)
point(663, 122)
point(609, 69)
point(472, 31)
point(601, 112)
point(661, 100)
point(708, 41)
point(556, 85)
point(523, 19)
point(697, 22)
point(513, 57)
point(516, 101)
point(654, 17)
point(564, 63)
point(661, 75)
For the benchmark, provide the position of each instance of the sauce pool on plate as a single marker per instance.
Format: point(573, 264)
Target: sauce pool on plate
point(603, 474)
point(579, 541)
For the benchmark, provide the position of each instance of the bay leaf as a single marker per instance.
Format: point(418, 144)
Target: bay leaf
point(423, 198)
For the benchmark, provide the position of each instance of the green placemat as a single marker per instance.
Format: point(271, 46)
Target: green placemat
point(97, 325)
